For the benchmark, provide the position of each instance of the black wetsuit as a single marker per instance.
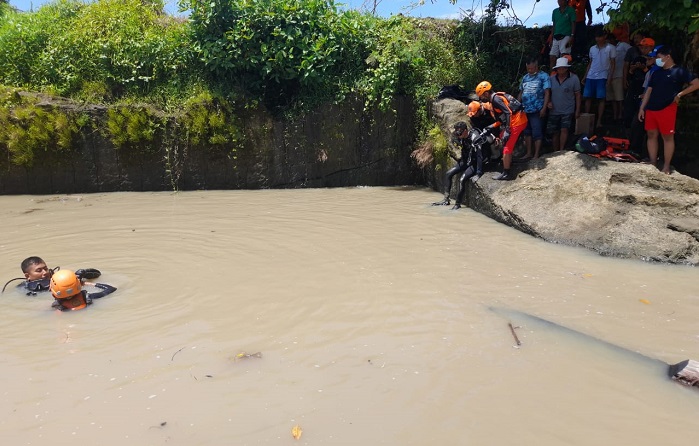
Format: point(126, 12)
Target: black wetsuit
point(89, 297)
point(31, 287)
point(472, 162)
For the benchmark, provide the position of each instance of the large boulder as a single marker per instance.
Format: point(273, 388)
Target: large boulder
point(618, 209)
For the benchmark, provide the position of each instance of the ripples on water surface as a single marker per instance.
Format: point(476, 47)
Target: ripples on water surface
point(369, 307)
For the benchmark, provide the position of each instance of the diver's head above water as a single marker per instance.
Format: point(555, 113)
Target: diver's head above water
point(34, 268)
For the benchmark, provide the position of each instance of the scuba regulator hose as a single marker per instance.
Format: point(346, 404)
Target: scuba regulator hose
point(51, 271)
point(86, 273)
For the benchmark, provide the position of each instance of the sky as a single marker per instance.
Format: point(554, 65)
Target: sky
point(531, 13)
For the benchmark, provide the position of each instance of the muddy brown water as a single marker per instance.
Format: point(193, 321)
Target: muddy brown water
point(369, 308)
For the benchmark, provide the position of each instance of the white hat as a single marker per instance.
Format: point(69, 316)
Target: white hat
point(561, 62)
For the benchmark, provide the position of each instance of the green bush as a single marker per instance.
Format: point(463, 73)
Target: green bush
point(287, 54)
point(493, 53)
point(278, 50)
point(23, 38)
point(412, 57)
point(126, 46)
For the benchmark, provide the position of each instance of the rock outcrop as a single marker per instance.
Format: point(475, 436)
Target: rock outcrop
point(616, 209)
point(629, 210)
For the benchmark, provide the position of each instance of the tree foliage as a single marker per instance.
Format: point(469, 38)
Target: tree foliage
point(674, 15)
point(278, 48)
point(125, 45)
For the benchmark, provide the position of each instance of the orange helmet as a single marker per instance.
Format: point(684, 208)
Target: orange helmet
point(67, 289)
point(473, 108)
point(483, 87)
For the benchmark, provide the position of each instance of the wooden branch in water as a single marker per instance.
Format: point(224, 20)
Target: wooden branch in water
point(173, 355)
point(512, 329)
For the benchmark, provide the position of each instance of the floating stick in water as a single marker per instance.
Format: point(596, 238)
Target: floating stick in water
point(512, 329)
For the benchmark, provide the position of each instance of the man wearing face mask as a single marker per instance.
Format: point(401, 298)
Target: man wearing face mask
point(659, 106)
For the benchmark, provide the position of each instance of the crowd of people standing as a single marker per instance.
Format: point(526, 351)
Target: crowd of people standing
point(640, 80)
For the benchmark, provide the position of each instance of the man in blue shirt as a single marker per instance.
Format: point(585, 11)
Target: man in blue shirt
point(534, 93)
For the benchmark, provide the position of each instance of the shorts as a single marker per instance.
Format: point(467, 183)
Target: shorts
point(616, 90)
point(514, 136)
point(534, 126)
point(595, 88)
point(558, 122)
point(662, 120)
point(560, 47)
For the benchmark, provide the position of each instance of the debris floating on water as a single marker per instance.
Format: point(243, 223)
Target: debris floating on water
point(296, 432)
point(243, 355)
point(173, 355)
point(512, 329)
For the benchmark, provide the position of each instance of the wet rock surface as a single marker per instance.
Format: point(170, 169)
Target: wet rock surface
point(629, 210)
point(615, 209)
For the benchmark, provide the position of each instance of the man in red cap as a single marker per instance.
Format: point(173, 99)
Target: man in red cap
point(648, 50)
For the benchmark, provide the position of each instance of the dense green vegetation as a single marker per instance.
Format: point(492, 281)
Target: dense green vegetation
point(673, 15)
point(195, 74)
point(229, 54)
point(280, 52)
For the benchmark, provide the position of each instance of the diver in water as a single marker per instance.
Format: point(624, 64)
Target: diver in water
point(37, 275)
point(475, 145)
point(66, 289)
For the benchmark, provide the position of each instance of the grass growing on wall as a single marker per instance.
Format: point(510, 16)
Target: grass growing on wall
point(30, 133)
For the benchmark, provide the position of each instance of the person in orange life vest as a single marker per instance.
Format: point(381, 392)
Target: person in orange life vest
point(510, 113)
point(66, 289)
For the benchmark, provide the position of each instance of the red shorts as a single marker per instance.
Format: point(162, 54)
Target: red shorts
point(662, 120)
point(514, 136)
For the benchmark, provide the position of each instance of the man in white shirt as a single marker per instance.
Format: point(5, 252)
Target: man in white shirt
point(616, 93)
point(598, 75)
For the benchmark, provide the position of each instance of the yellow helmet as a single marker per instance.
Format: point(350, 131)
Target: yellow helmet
point(483, 87)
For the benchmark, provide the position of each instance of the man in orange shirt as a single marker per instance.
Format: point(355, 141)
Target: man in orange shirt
point(579, 44)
